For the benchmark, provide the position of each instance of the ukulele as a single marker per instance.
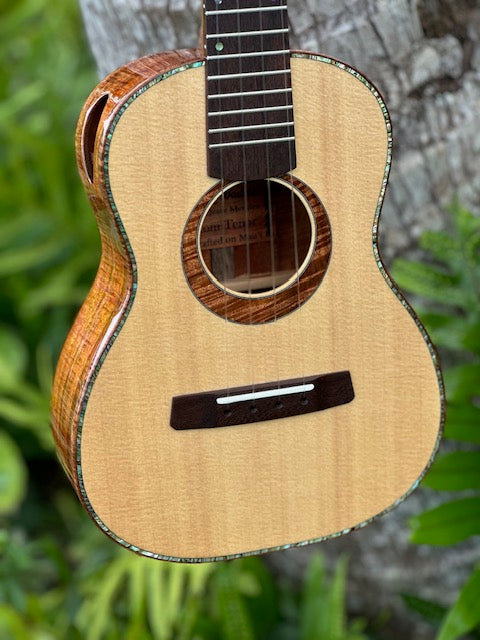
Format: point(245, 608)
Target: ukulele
point(244, 374)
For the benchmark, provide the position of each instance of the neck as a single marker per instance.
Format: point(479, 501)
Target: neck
point(249, 94)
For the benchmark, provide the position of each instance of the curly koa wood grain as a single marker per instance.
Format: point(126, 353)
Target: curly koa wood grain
point(111, 292)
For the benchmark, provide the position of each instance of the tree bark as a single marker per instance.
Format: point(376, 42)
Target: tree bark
point(424, 56)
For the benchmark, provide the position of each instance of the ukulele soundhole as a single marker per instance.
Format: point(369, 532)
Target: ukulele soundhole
point(256, 236)
point(254, 252)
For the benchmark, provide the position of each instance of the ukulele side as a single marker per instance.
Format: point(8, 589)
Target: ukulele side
point(112, 292)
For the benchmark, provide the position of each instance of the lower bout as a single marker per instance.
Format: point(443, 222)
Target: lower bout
point(235, 490)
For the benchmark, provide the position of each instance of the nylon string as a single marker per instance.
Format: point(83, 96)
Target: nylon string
point(292, 193)
point(270, 211)
point(224, 260)
point(245, 197)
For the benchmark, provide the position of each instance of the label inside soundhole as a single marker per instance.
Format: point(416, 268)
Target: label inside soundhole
point(256, 236)
point(256, 256)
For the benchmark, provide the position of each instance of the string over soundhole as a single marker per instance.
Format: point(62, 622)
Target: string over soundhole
point(254, 252)
point(256, 236)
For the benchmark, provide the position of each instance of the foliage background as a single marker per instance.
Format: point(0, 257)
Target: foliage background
point(59, 577)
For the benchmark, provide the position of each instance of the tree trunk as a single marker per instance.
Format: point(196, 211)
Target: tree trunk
point(424, 56)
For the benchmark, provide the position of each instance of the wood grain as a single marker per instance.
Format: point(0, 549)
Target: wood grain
point(195, 495)
point(102, 311)
point(257, 161)
point(254, 310)
point(201, 410)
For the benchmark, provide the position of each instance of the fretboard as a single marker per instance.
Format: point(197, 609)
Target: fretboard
point(249, 90)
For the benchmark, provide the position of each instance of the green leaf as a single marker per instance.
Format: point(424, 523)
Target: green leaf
point(156, 595)
point(95, 616)
point(455, 471)
point(261, 594)
point(337, 600)
point(471, 340)
point(441, 245)
point(463, 423)
point(451, 335)
point(137, 592)
point(29, 416)
point(430, 283)
point(199, 575)
point(465, 222)
point(449, 331)
point(11, 624)
point(190, 620)
point(313, 612)
point(462, 382)
point(24, 97)
point(430, 611)
point(323, 612)
point(175, 585)
point(13, 359)
point(234, 619)
point(464, 616)
point(448, 523)
point(19, 260)
point(435, 320)
point(13, 475)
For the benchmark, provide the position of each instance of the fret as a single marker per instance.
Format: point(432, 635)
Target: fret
point(249, 142)
point(252, 127)
point(218, 12)
point(234, 76)
point(243, 34)
point(248, 111)
point(242, 94)
point(249, 54)
point(248, 73)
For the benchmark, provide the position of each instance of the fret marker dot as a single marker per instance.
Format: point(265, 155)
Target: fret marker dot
point(219, 46)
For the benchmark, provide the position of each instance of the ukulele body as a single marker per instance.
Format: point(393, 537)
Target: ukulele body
point(143, 336)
